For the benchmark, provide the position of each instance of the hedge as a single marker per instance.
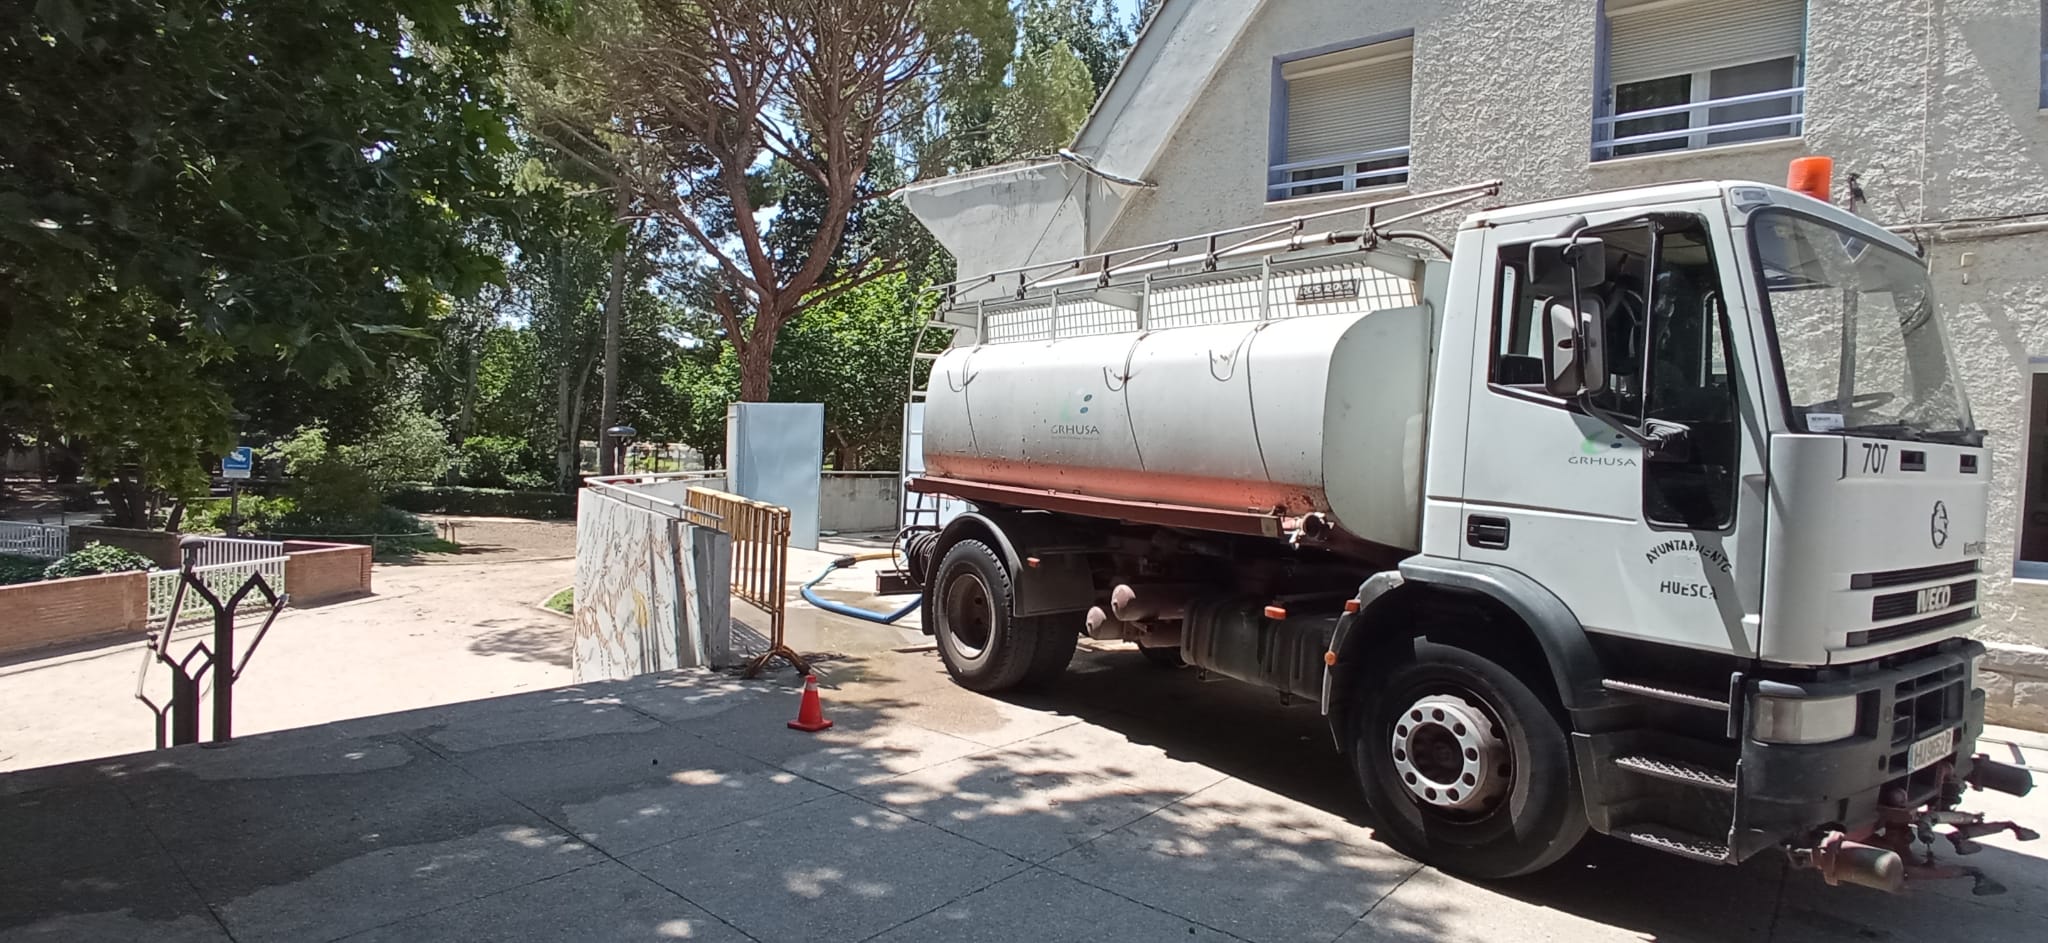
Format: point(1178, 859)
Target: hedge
point(484, 502)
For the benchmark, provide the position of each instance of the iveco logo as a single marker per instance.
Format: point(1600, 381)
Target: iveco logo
point(1937, 526)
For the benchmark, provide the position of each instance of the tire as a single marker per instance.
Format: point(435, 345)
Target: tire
point(1521, 808)
point(983, 646)
point(1168, 657)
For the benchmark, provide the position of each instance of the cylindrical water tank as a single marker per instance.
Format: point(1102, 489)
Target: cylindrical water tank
point(1321, 413)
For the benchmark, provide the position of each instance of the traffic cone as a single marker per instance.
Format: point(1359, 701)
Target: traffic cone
point(810, 717)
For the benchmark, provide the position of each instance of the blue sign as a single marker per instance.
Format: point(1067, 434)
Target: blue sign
point(238, 463)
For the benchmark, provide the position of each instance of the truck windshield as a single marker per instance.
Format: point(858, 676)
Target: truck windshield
point(1857, 339)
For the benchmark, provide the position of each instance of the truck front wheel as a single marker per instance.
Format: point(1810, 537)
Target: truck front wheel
point(985, 647)
point(1464, 765)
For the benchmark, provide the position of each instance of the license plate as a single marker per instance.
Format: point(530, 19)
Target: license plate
point(1930, 751)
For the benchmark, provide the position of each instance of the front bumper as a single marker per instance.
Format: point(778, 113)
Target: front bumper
point(1787, 790)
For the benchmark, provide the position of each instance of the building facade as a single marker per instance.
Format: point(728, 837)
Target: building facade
point(1232, 111)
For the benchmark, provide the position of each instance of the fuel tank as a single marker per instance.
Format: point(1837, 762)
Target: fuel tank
point(1298, 415)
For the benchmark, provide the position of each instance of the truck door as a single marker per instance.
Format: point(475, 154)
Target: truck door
point(1668, 549)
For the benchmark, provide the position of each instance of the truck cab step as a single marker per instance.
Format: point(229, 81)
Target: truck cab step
point(1677, 771)
point(1664, 838)
point(1659, 693)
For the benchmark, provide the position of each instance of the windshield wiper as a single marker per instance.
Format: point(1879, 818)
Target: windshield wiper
point(1900, 430)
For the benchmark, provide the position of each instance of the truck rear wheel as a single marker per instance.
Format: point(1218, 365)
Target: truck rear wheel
point(1464, 765)
point(985, 647)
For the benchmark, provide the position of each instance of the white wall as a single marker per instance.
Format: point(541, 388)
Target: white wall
point(859, 502)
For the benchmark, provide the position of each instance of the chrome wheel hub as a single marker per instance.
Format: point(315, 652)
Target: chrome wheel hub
point(1450, 754)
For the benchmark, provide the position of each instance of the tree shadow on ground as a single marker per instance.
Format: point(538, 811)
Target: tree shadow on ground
point(544, 639)
point(1249, 734)
point(681, 804)
point(679, 798)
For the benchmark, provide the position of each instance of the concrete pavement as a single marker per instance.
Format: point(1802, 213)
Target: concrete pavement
point(435, 633)
point(1131, 803)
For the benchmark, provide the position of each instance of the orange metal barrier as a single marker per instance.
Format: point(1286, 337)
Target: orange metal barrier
point(760, 563)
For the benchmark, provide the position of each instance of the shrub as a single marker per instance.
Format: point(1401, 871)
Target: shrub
point(498, 461)
point(308, 522)
point(485, 502)
point(96, 558)
point(259, 514)
point(331, 480)
point(15, 568)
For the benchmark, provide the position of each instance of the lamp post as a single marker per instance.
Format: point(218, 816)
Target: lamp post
point(620, 435)
point(234, 523)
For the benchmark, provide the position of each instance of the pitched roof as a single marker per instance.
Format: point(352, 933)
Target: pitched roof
point(1175, 56)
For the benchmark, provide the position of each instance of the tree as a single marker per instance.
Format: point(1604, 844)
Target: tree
point(851, 352)
point(699, 104)
point(1067, 52)
point(190, 185)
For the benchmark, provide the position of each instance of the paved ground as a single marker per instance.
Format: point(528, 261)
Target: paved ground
point(435, 633)
point(1131, 804)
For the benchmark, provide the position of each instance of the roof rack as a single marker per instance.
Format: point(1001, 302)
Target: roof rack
point(1104, 268)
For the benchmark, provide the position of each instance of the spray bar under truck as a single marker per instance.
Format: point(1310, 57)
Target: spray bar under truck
point(1656, 512)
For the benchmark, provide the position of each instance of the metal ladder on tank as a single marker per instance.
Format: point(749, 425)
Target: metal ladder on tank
point(918, 507)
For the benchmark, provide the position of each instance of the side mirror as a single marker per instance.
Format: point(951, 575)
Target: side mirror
point(1573, 344)
point(1556, 266)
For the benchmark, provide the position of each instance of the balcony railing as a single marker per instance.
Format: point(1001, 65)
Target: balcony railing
point(1339, 174)
point(1701, 130)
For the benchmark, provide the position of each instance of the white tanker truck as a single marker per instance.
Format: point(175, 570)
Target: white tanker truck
point(1656, 512)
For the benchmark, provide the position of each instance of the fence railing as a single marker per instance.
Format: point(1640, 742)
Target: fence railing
point(214, 551)
point(222, 578)
point(760, 562)
point(1699, 129)
point(44, 541)
point(1339, 174)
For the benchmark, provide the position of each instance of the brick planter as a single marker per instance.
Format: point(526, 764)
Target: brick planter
point(316, 573)
point(61, 612)
point(113, 606)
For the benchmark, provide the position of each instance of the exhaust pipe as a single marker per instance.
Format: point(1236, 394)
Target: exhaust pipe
point(1104, 627)
point(1164, 602)
point(1841, 861)
point(1987, 773)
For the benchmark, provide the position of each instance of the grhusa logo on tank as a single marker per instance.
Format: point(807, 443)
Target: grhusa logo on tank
point(1075, 422)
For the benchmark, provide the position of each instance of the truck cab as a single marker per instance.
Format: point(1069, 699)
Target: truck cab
point(1696, 501)
point(1772, 497)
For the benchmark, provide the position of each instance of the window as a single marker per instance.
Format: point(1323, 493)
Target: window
point(1343, 121)
point(1667, 358)
point(1685, 74)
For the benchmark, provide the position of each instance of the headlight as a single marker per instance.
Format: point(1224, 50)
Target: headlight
point(1975, 661)
point(1804, 720)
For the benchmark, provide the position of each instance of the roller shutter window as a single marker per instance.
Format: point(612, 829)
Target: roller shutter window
point(1666, 54)
point(1346, 121)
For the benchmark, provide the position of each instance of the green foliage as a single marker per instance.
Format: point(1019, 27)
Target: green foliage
point(194, 188)
point(15, 568)
point(485, 502)
point(342, 481)
point(404, 444)
point(96, 558)
point(851, 351)
point(359, 525)
point(499, 461)
point(260, 514)
point(1046, 104)
point(1066, 53)
point(563, 602)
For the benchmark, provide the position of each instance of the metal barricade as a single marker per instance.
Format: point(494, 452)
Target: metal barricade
point(760, 564)
point(42, 541)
